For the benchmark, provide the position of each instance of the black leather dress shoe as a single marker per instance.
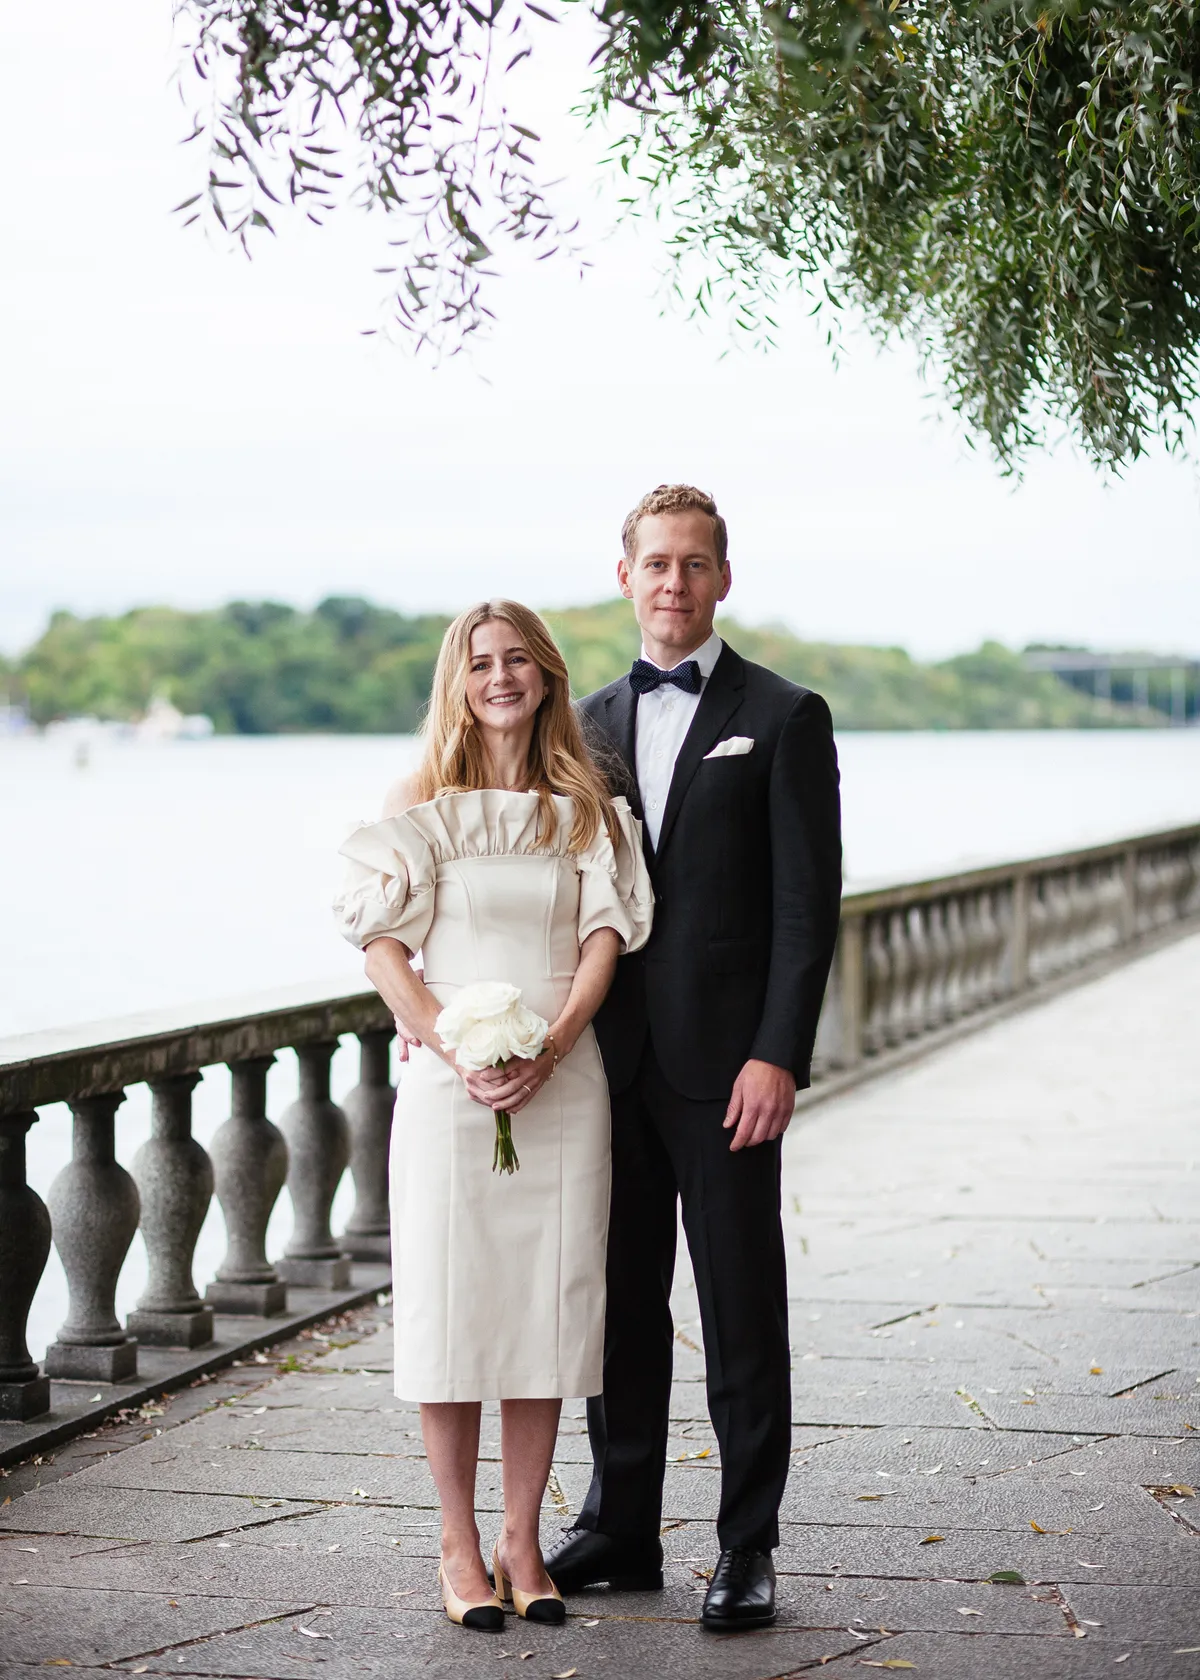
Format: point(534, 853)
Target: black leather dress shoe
point(742, 1592)
point(583, 1558)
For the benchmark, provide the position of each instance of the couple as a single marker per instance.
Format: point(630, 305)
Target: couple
point(663, 861)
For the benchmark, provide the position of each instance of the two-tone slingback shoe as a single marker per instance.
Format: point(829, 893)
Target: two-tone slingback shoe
point(487, 1616)
point(531, 1607)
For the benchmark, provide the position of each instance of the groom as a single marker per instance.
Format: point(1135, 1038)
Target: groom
point(706, 1036)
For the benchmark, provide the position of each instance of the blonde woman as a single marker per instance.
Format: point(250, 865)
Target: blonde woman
point(502, 859)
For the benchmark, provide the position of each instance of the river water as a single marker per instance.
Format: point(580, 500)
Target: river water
point(146, 876)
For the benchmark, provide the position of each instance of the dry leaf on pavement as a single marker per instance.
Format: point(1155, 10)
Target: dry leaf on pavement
point(931, 1540)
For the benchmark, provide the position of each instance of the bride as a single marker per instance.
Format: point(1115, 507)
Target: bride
point(503, 859)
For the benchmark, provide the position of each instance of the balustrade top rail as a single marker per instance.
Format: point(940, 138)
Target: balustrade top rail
point(94, 1057)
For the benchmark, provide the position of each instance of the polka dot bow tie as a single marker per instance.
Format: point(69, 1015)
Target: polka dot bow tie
point(644, 677)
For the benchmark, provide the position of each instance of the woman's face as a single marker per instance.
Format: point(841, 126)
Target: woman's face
point(505, 685)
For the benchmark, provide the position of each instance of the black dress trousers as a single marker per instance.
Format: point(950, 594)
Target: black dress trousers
point(667, 1148)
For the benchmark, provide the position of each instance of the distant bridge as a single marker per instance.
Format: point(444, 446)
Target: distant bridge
point(1164, 682)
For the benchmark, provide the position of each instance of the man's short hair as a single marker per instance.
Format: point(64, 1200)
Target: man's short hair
point(675, 498)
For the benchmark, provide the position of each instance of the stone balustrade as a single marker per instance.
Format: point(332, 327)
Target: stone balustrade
point(95, 1205)
point(920, 960)
point(915, 963)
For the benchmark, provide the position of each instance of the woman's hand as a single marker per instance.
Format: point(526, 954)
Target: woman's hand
point(513, 1086)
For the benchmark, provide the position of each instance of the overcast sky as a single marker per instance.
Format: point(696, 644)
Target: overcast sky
point(180, 425)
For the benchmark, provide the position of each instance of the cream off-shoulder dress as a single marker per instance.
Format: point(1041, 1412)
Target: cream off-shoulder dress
point(498, 1279)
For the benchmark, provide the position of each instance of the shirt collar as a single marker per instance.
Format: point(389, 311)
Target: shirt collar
point(706, 656)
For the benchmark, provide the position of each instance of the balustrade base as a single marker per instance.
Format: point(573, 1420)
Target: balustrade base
point(319, 1274)
point(77, 1362)
point(367, 1245)
point(168, 1329)
point(247, 1300)
point(21, 1400)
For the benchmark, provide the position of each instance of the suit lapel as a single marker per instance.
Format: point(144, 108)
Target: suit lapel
point(720, 700)
point(620, 725)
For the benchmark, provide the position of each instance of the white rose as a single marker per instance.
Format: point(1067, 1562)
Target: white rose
point(486, 1023)
point(526, 1033)
point(482, 1045)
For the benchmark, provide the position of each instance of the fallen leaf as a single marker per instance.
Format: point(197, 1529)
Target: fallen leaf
point(565, 1674)
point(359, 1493)
point(58, 1662)
point(892, 1662)
point(1182, 1651)
point(1007, 1578)
point(934, 1471)
point(595, 1622)
point(313, 1634)
point(931, 1540)
point(866, 1496)
point(965, 1610)
point(1086, 1623)
point(403, 1592)
point(27, 1548)
point(1181, 1488)
point(1096, 1371)
point(1079, 1633)
point(334, 1548)
point(1124, 1658)
point(1038, 1529)
point(1099, 1507)
point(1083, 1565)
point(142, 1668)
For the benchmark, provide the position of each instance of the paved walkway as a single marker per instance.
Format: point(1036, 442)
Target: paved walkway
point(995, 1264)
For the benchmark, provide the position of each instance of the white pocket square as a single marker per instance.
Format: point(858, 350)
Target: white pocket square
point(732, 748)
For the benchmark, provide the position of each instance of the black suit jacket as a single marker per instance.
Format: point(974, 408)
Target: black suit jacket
point(747, 885)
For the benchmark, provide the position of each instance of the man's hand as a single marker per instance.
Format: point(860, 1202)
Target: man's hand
point(761, 1105)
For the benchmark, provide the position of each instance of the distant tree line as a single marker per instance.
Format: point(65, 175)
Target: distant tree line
point(349, 666)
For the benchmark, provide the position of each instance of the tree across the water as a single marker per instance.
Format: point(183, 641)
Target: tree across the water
point(1015, 187)
point(350, 666)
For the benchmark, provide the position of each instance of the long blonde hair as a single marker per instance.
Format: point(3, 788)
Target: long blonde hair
point(455, 760)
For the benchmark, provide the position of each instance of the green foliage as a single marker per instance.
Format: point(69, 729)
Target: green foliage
point(258, 667)
point(388, 106)
point(1017, 187)
point(1013, 186)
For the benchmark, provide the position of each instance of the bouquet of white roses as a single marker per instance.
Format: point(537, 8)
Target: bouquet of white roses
point(486, 1026)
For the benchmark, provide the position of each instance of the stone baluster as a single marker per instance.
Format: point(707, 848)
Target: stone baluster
point(896, 1022)
point(1057, 922)
point(919, 958)
point(175, 1181)
point(368, 1110)
point(849, 992)
point(1016, 954)
point(972, 968)
point(1038, 929)
point(24, 1248)
point(878, 969)
point(94, 1214)
point(956, 1003)
point(991, 937)
point(939, 962)
point(249, 1160)
point(318, 1149)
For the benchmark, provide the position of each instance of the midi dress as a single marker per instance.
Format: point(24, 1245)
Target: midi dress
point(498, 1280)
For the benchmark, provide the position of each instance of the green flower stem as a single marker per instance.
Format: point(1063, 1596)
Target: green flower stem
point(504, 1156)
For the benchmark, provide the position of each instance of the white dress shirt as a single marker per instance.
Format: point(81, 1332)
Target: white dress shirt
point(664, 717)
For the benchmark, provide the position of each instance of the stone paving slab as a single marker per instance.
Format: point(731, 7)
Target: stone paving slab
point(110, 1627)
point(124, 1514)
point(968, 1239)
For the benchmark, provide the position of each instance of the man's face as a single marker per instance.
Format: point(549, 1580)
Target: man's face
point(675, 582)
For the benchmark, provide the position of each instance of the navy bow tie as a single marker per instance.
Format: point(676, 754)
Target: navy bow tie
point(644, 677)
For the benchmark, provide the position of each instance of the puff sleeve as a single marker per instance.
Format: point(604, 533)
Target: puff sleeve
point(614, 883)
point(388, 887)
